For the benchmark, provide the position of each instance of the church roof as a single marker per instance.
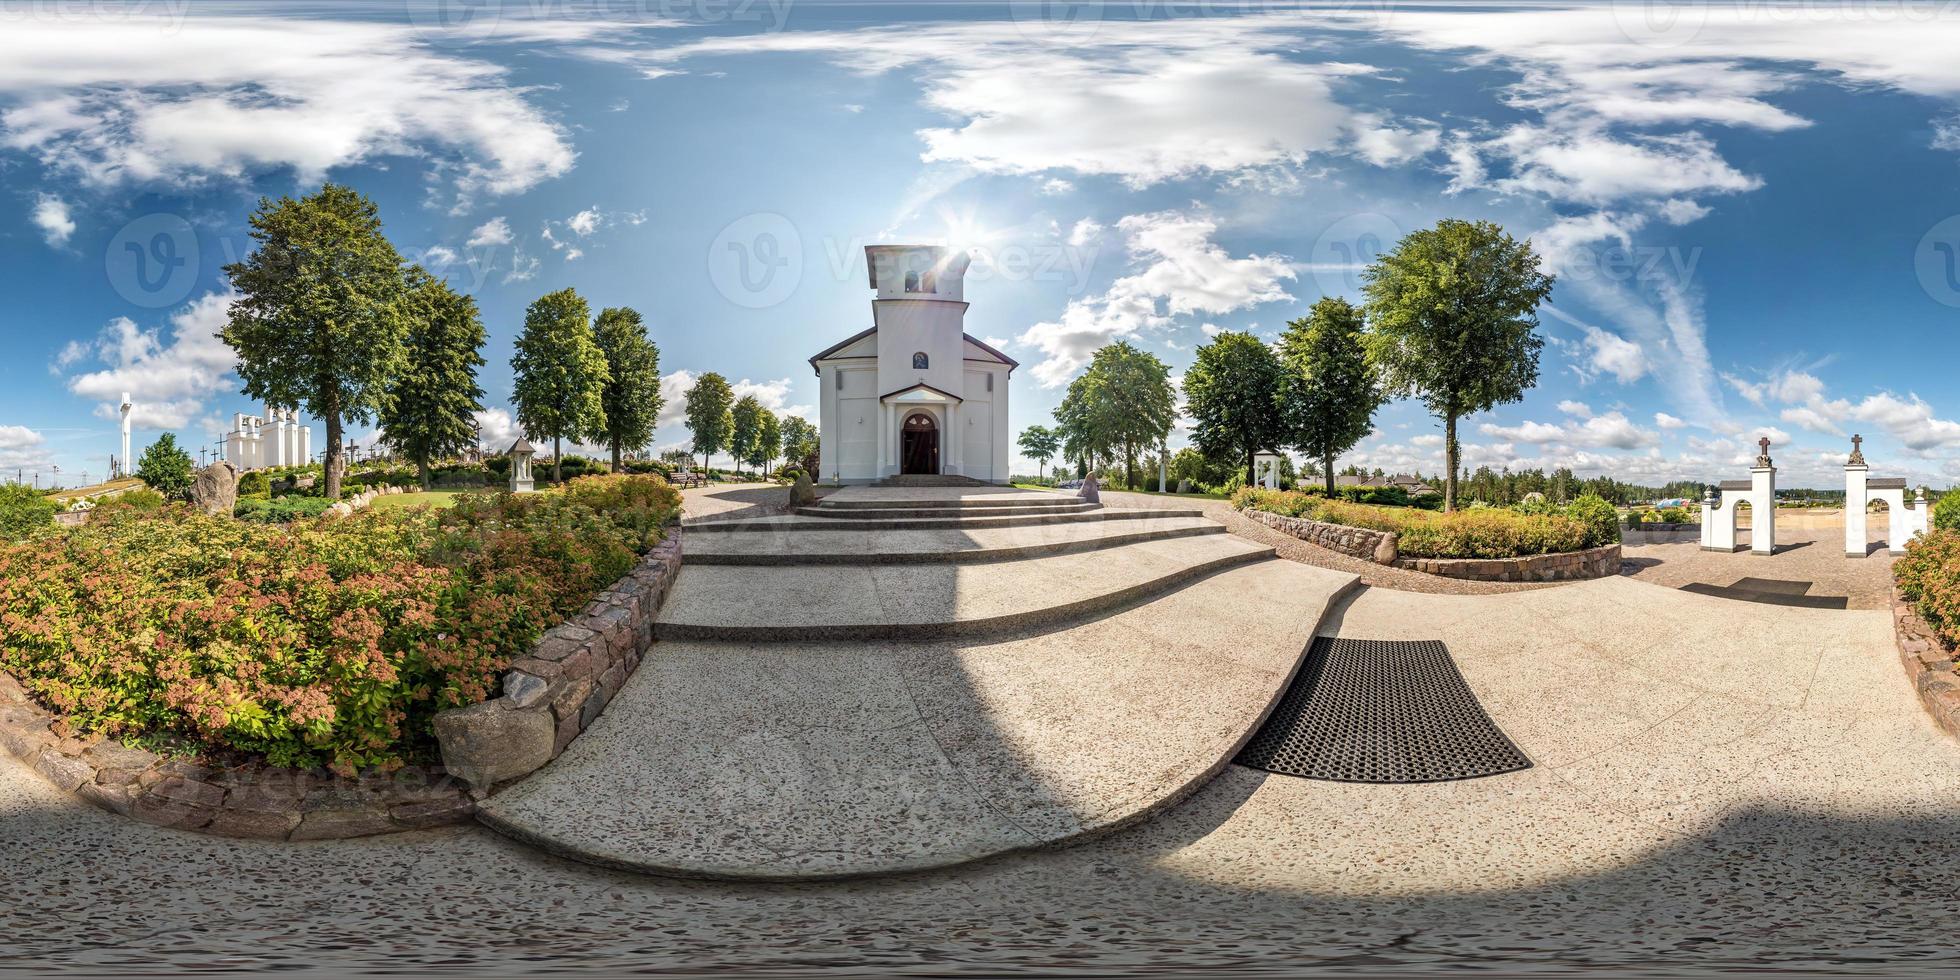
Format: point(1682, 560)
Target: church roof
point(868, 331)
point(916, 387)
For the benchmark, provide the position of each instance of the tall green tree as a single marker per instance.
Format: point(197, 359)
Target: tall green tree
point(317, 324)
point(1124, 402)
point(801, 443)
point(1040, 443)
point(1331, 391)
point(431, 405)
point(1452, 316)
point(1231, 394)
point(165, 468)
point(561, 375)
point(632, 394)
point(709, 415)
point(768, 441)
point(745, 425)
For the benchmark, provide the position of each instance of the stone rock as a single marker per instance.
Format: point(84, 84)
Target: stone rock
point(489, 743)
point(524, 690)
point(215, 491)
point(259, 825)
point(1184, 486)
point(339, 824)
point(802, 492)
point(1089, 492)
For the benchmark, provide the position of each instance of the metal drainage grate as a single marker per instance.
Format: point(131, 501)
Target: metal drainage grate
point(1381, 711)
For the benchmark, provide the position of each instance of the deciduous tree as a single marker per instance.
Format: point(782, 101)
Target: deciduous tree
point(708, 415)
point(317, 324)
point(744, 427)
point(1452, 316)
point(1331, 391)
point(165, 468)
point(632, 394)
point(1231, 395)
point(1040, 443)
point(431, 405)
point(561, 375)
point(802, 445)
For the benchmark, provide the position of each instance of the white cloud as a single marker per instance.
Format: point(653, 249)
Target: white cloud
point(1592, 167)
point(1612, 430)
point(1378, 141)
point(171, 379)
point(1055, 187)
point(1946, 134)
point(138, 99)
point(491, 233)
point(585, 222)
point(1087, 231)
point(496, 430)
point(1811, 419)
point(1669, 422)
point(51, 216)
point(1179, 271)
point(22, 448)
point(1681, 211)
point(1579, 409)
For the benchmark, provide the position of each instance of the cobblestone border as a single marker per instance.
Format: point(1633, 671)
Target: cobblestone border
point(1928, 663)
point(572, 673)
point(1563, 566)
point(1355, 542)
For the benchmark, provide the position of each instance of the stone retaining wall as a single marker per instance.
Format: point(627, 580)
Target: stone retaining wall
point(1358, 542)
point(549, 698)
point(1563, 566)
point(571, 675)
point(1929, 665)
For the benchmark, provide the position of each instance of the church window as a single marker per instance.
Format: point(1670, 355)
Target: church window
point(920, 361)
point(912, 282)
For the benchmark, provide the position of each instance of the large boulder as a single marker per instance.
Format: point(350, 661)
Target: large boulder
point(215, 492)
point(802, 493)
point(1089, 491)
point(495, 741)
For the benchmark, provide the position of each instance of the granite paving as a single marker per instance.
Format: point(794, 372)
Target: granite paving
point(964, 544)
point(1809, 548)
point(1721, 788)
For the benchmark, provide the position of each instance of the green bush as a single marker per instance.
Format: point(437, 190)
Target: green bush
point(1475, 533)
point(24, 511)
point(1677, 515)
point(141, 500)
point(328, 642)
point(283, 510)
point(1928, 575)
point(1946, 513)
point(1601, 521)
point(254, 484)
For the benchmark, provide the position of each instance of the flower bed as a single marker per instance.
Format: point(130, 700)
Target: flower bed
point(330, 642)
point(1928, 576)
point(1485, 533)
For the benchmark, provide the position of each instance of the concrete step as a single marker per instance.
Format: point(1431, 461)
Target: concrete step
point(924, 601)
point(923, 480)
point(941, 510)
point(857, 547)
point(975, 502)
point(801, 522)
point(814, 761)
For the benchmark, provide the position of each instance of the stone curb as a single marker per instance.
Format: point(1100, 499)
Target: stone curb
point(271, 803)
point(1928, 663)
point(558, 691)
point(1564, 566)
point(1355, 542)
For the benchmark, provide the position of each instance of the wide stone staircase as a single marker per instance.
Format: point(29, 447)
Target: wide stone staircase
point(903, 677)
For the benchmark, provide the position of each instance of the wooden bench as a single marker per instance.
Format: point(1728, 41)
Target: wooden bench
point(687, 478)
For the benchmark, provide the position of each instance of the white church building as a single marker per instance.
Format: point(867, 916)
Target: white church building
point(914, 394)
point(277, 438)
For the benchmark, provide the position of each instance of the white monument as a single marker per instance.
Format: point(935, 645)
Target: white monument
point(122, 464)
point(277, 438)
point(1860, 490)
point(1718, 513)
point(1265, 469)
point(913, 394)
point(521, 452)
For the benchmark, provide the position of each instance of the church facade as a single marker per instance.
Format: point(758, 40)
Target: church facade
point(914, 394)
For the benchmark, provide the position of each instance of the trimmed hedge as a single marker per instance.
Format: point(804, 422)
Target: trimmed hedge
point(24, 510)
point(324, 642)
point(1588, 522)
point(1928, 575)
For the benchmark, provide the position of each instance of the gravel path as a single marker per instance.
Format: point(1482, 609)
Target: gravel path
point(1293, 548)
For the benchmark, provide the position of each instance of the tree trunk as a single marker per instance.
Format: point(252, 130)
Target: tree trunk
point(422, 471)
point(616, 466)
point(1449, 451)
point(1251, 468)
point(557, 462)
point(332, 475)
point(1327, 468)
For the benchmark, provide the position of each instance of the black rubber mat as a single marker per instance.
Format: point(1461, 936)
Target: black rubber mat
point(1381, 711)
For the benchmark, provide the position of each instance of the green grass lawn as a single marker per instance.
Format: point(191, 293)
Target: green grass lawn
point(433, 498)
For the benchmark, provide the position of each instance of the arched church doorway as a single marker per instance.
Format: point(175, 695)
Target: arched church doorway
point(918, 445)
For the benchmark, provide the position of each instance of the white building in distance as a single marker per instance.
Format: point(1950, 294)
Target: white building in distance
point(277, 438)
point(914, 394)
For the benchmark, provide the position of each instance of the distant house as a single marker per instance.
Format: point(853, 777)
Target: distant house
point(1349, 480)
point(1411, 485)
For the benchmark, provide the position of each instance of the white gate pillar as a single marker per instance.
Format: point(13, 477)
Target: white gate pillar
point(1762, 509)
point(1855, 500)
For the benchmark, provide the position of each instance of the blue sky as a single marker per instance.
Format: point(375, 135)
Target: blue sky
point(1754, 209)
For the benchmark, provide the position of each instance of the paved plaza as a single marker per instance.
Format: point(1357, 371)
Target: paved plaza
point(1715, 785)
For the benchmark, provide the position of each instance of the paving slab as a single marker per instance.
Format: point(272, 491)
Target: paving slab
point(910, 602)
point(941, 545)
point(770, 761)
point(779, 523)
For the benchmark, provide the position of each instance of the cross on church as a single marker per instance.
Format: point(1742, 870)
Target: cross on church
point(1764, 442)
point(1857, 443)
